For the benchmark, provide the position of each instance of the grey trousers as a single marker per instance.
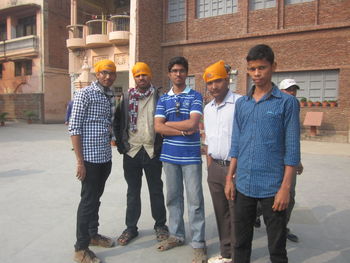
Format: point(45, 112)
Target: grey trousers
point(223, 208)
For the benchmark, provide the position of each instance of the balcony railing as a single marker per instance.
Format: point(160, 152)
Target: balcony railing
point(97, 33)
point(100, 32)
point(76, 36)
point(120, 29)
point(19, 47)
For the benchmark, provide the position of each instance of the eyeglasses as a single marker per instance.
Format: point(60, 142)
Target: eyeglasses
point(175, 71)
point(105, 73)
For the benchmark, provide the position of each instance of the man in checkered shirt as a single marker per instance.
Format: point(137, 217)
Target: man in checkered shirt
point(90, 130)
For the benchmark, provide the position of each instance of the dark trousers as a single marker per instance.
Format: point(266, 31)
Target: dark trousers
point(92, 188)
point(245, 215)
point(223, 208)
point(133, 168)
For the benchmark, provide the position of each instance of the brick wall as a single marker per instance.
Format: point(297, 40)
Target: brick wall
point(17, 104)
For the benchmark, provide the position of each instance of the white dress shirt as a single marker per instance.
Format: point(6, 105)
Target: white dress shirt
point(218, 121)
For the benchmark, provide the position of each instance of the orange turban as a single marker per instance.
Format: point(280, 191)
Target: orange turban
point(105, 64)
point(215, 71)
point(141, 68)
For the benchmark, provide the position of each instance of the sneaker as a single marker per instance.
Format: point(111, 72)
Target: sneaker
point(101, 241)
point(292, 237)
point(86, 256)
point(200, 255)
point(219, 259)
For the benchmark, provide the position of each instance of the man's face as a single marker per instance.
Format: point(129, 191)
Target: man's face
point(106, 78)
point(291, 90)
point(261, 71)
point(218, 88)
point(178, 75)
point(143, 81)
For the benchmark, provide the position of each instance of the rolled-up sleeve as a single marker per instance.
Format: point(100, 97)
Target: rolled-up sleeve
point(236, 131)
point(79, 109)
point(292, 132)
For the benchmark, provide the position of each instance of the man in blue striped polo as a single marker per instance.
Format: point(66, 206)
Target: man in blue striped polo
point(177, 118)
point(265, 151)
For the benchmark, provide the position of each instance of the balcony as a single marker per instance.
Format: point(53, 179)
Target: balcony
point(97, 33)
point(19, 47)
point(76, 38)
point(119, 33)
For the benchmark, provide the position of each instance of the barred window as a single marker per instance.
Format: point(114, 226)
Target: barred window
point(207, 8)
point(260, 4)
point(176, 11)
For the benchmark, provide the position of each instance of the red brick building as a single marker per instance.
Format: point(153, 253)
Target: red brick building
point(310, 38)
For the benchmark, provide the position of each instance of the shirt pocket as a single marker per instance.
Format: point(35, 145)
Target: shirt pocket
point(271, 127)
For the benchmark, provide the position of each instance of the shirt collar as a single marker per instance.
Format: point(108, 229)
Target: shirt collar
point(105, 90)
point(229, 98)
point(186, 90)
point(273, 92)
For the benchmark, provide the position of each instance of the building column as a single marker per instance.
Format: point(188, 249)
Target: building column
point(132, 39)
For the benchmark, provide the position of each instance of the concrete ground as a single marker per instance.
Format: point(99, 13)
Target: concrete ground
point(39, 196)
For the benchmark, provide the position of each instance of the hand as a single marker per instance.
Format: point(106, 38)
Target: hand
point(300, 169)
point(281, 200)
point(81, 172)
point(230, 190)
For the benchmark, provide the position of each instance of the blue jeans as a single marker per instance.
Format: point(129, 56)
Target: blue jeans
point(191, 174)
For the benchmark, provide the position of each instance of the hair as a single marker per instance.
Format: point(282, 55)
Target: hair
point(261, 52)
point(178, 60)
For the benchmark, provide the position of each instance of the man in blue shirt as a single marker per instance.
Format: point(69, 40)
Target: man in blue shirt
point(177, 118)
point(265, 151)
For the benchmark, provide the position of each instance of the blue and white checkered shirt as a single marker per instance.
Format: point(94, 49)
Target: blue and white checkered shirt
point(91, 119)
point(265, 138)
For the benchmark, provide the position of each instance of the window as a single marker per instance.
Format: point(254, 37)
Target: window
point(3, 31)
point(190, 82)
point(290, 2)
point(26, 26)
point(232, 82)
point(176, 10)
point(207, 8)
point(316, 85)
point(0, 71)
point(260, 4)
point(23, 68)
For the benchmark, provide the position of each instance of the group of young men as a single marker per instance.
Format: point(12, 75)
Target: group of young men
point(253, 149)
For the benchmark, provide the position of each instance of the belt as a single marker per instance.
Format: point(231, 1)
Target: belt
point(222, 162)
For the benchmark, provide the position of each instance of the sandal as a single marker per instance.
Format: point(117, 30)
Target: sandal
point(169, 243)
point(126, 237)
point(200, 255)
point(162, 233)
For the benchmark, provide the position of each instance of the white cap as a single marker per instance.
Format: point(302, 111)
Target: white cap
point(286, 83)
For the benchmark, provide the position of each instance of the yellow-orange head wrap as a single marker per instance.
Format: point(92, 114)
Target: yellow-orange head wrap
point(141, 68)
point(105, 64)
point(215, 71)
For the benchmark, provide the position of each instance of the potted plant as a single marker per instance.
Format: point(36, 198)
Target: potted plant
point(332, 103)
point(310, 103)
point(317, 103)
point(3, 118)
point(325, 104)
point(30, 116)
point(303, 102)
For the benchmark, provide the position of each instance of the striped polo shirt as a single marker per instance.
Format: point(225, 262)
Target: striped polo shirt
point(178, 107)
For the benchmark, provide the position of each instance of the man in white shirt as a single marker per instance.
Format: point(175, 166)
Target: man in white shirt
point(218, 120)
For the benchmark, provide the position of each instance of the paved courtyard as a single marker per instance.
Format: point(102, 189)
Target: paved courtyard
point(39, 196)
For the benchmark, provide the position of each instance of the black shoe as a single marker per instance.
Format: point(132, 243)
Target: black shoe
point(257, 223)
point(292, 237)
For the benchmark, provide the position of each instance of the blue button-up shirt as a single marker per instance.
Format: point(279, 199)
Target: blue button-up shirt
point(91, 119)
point(265, 138)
